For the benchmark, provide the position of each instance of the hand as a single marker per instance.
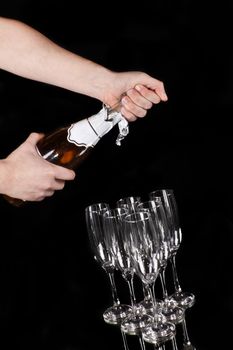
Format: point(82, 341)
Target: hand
point(137, 91)
point(28, 176)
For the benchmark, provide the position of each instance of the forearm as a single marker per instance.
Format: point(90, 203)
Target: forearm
point(28, 53)
point(3, 176)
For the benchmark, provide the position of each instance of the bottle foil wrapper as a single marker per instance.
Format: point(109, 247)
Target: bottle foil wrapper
point(123, 124)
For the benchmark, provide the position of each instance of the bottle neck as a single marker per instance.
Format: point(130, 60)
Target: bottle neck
point(103, 122)
point(112, 117)
point(88, 132)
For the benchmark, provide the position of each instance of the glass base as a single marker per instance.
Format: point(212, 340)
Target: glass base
point(134, 324)
point(159, 333)
point(183, 299)
point(148, 306)
point(117, 313)
point(173, 314)
point(189, 346)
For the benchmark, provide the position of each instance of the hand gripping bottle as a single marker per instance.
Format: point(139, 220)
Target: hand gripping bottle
point(69, 146)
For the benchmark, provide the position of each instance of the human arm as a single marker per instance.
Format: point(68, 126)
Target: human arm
point(26, 52)
point(26, 175)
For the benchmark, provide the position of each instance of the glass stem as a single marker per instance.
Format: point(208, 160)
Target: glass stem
point(163, 283)
point(116, 300)
point(129, 280)
point(150, 289)
point(141, 341)
point(159, 347)
point(174, 344)
point(146, 291)
point(126, 347)
point(175, 275)
point(186, 340)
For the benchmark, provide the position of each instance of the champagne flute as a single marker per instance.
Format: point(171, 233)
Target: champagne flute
point(113, 227)
point(142, 239)
point(94, 221)
point(170, 310)
point(184, 299)
point(113, 221)
point(130, 203)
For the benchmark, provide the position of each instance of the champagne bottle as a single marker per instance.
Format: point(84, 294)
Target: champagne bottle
point(70, 146)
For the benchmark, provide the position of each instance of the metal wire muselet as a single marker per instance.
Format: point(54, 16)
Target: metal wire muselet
point(123, 125)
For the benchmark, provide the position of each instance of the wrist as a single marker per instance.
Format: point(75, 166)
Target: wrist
point(101, 83)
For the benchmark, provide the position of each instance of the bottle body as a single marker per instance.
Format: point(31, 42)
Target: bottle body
point(56, 149)
point(70, 146)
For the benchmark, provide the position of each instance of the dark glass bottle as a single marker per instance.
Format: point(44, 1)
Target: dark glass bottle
point(70, 146)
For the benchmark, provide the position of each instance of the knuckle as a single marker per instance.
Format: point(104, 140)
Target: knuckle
point(157, 99)
point(128, 115)
point(149, 105)
point(142, 113)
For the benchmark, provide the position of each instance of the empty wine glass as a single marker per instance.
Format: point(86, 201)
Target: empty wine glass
point(182, 298)
point(113, 227)
point(170, 310)
point(113, 221)
point(94, 221)
point(130, 203)
point(98, 240)
point(142, 240)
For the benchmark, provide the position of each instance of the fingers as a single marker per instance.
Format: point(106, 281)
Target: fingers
point(55, 182)
point(135, 104)
point(128, 115)
point(160, 90)
point(148, 94)
point(140, 99)
point(63, 174)
point(59, 172)
point(156, 86)
point(131, 111)
point(145, 101)
point(42, 197)
point(56, 185)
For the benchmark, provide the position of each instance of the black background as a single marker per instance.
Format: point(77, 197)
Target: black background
point(52, 292)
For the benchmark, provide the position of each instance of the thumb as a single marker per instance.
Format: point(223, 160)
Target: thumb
point(158, 87)
point(34, 137)
point(160, 90)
